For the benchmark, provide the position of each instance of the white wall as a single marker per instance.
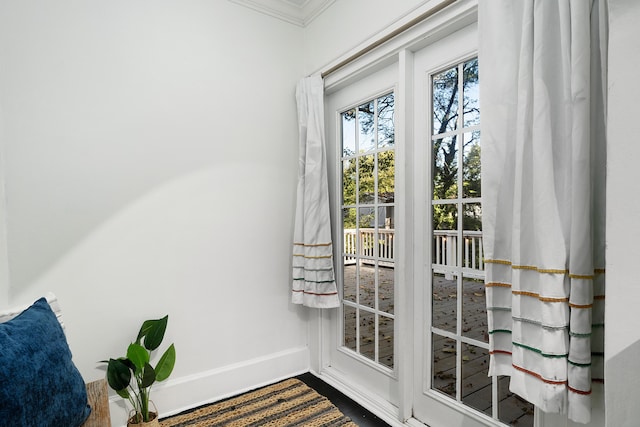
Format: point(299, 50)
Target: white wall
point(149, 153)
point(622, 340)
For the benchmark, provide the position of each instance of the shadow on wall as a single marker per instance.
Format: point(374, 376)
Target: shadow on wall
point(48, 216)
point(184, 244)
point(622, 409)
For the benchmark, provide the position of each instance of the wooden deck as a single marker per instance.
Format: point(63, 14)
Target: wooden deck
point(476, 385)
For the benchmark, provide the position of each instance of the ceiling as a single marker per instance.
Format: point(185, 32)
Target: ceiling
point(298, 12)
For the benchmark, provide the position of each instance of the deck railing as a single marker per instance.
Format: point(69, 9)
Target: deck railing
point(362, 244)
point(446, 253)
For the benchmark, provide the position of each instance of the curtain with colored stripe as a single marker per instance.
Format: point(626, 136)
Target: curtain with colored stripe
point(313, 276)
point(543, 89)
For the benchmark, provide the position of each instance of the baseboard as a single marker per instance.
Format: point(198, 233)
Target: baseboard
point(180, 394)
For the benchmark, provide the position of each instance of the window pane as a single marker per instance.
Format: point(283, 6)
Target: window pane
point(366, 232)
point(349, 287)
point(386, 176)
point(386, 129)
point(350, 327)
point(349, 225)
point(444, 302)
point(385, 339)
point(368, 334)
point(476, 382)
point(471, 165)
point(349, 133)
point(387, 220)
point(350, 248)
point(386, 289)
point(367, 283)
point(366, 121)
point(445, 235)
point(385, 241)
point(472, 252)
point(366, 165)
point(445, 168)
point(444, 365)
point(471, 105)
point(472, 218)
point(474, 312)
point(349, 182)
point(445, 101)
point(445, 217)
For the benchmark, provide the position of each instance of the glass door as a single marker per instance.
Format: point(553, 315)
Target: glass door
point(452, 356)
point(362, 146)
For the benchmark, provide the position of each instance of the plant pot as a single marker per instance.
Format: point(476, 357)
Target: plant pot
point(153, 423)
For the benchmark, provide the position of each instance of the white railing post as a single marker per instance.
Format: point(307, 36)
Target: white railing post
point(450, 261)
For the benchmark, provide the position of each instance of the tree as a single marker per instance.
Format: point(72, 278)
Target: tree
point(375, 171)
point(446, 118)
point(364, 167)
point(380, 110)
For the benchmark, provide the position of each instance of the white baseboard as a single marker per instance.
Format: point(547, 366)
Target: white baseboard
point(180, 394)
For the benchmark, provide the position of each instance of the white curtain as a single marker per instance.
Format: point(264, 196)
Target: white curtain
point(543, 83)
point(313, 276)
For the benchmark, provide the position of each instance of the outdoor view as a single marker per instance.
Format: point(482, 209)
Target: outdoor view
point(368, 197)
point(460, 340)
point(459, 336)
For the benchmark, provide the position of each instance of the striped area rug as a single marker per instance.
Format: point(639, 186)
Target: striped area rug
point(287, 403)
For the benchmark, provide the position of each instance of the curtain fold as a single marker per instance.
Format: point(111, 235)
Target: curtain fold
point(313, 276)
point(543, 91)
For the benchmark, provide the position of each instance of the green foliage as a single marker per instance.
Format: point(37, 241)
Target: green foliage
point(445, 217)
point(349, 218)
point(373, 168)
point(132, 376)
point(364, 168)
point(471, 177)
point(165, 364)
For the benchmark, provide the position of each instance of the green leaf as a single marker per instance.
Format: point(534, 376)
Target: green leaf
point(128, 363)
point(153, 332)
point(148, 376)
point(138, 356)
point(166, 363)
point(147, 325)
point(118, 375)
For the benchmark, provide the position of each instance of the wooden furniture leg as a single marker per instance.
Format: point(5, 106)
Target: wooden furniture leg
point(98, 395)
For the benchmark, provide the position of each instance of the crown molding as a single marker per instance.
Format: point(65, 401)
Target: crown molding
point(297, 12)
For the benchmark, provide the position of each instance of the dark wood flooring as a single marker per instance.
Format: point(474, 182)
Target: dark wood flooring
point(353, 410)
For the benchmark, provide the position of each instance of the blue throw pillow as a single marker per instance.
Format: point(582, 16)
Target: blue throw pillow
point(39, 384)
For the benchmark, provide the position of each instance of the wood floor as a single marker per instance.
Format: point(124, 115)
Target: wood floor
point(353, 410)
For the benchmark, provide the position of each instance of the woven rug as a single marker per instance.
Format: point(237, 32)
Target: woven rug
point(287, 403)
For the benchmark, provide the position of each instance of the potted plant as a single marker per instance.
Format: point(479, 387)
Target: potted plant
point(132, 376)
